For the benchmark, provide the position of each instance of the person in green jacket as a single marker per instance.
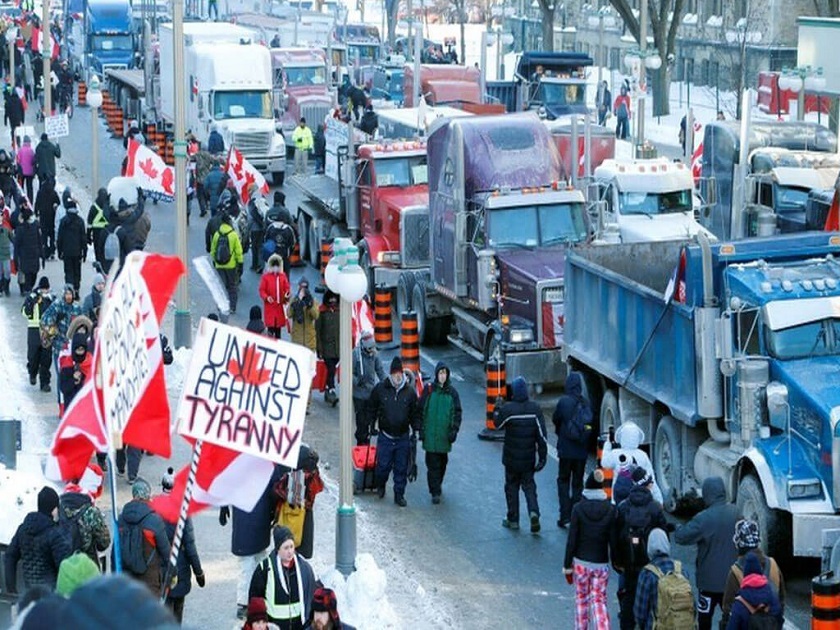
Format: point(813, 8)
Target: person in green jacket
point(302, 137)
point(228, 264)
point(441, 408)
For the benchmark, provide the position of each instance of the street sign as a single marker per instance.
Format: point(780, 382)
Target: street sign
point(57, 126)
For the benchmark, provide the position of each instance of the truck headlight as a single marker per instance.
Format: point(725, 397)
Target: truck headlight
point(802, 488)
point(521, 335)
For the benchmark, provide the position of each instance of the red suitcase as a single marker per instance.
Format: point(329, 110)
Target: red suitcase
point(364, 468)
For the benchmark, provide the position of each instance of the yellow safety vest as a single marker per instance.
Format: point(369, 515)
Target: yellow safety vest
point(281, 611)
point(99, 221)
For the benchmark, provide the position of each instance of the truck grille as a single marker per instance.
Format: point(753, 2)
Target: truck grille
point(258, 142)
point(314, 114)
point(552, 316)
point(414, 237)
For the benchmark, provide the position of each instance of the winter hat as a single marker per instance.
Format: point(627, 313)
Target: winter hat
point(281, 535)
point(27, 140)
point(367, 341)
point(658, 544)
point(595, 480)
point(752, 565)
point(115, 601)
point(519, 389)
point(44, 137)
point(213, 317)
point(323, 600)
point(256, 610)
point(641, 478)
point(746, 536)
point(256, 312)
point(44, 283)
point(68, 288)
point(98, 279)
point(80, 341)
point(47, 500)
point(47, 612)
point(74, 571)
point(279, 196)
point(396, 365)
point(167, 482)
point(141, 489)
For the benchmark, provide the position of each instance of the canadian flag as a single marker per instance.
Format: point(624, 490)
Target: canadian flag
point(36, 43)
point(832, 221)
point(243, 174)
point(362, 319)
point(697, 156)
point(152, 174)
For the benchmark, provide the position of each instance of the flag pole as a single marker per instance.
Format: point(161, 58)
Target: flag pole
point(112, 473)
point(171, 567)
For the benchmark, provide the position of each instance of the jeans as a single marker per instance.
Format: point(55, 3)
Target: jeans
point(213, 9)
point(591, 596)
point(513, 482)
point(570, 473)
point(392, 454)
point(435, 471)
point(319, 163)
point(132, 457)
point(621, 128)
point(230, 278)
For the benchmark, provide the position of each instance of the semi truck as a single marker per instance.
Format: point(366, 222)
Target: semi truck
point(364, 47)
point(104, 37)
point(755, 180)
point(500, 224)
point(220, 93)
point(646, 200)
point(441, 84)
point(411, 123)
point(725, 355)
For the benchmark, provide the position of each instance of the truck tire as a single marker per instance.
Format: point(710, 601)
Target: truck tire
point(667, 461)
point(278, 177)
point(405, 291)
point(303, 234)
point(609, 416)
point(775, 541)
point(492, 347)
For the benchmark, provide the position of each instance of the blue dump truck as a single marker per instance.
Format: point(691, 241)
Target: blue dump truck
point(726, 356)
point(104, 37)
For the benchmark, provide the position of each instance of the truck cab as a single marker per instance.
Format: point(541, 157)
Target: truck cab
point(108, 35)
point(364, 46)
point(388, 80)
point(646, 200)
point(301, 87)
point(448, 84)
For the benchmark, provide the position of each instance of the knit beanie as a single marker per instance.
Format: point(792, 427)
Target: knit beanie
point(74, 571)
point(281, 535)
point(256, 610)
point(323, 600)
point(44, 283)
point(396, 365)
point(141, 489)
point(752, 565)
point(641, 478)
point(746, 536)
point(47, 500)
point(595, 480)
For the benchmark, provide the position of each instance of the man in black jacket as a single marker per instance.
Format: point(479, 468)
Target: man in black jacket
point(524, 452)
point(71, 243)
point(394, 408)
point(45, 154)
point(571, 452)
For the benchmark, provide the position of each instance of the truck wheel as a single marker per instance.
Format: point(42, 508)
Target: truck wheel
point(667, 461)
point(492, 347)
point(278, 177)
point(303, 234)
point(610, 415)
point(774, 540)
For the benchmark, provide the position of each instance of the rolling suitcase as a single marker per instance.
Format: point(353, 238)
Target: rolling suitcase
point(364, 468)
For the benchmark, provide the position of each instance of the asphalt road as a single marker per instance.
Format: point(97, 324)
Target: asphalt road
point(484, 575)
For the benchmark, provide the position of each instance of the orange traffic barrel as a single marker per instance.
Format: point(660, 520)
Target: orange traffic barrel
point(382, 326)
point(608, 472)
point(326, 255)
point(496, 387)
point(82, 93)
point(294, 258)
point(410, 341)
point(151, 132)
point(825, 602)
point(118, 123)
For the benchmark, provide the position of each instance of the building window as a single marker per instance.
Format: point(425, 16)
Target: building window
point(615, 58)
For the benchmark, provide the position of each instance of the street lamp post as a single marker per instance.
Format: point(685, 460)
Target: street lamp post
point(637, 61)
point(94, 100)
point(46, 55)
point(800, 80)
point(346, 278)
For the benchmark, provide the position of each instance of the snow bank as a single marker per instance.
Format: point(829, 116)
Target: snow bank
point(18, 496)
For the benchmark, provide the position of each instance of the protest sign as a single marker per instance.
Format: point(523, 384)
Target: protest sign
point(246, 392)
point(57, 126)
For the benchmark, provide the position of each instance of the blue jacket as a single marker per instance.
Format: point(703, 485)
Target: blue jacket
point(215, 142)
point(251, 531)
point(213, 186)
point(756, 590)
point(564, 412)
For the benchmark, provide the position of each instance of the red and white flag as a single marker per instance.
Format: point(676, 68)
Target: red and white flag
point(153, 176)
point(362, 319)
point(36, 43)
point(697, 156)
point(832, 221)
point(243, 175)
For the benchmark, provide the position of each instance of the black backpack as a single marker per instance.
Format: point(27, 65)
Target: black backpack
point(132, 548)
point(578, 428)
point(72, 527)
point(760, 617)
point(223, 253)
point(634, 535)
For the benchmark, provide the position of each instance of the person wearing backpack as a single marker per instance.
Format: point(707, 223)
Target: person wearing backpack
point(227, 257)
point(83, 522)
point(747, 541)
point(711, 530)
point(757, 606)
point(664, 599)
point(144, 545)
point(621, 109)
point(573, 426)
point(637, 515)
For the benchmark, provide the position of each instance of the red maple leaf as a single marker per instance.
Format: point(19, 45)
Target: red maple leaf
point(236, 166)
point(148, 168)
point(168, 181)
point(247, 369)
point(246, 187)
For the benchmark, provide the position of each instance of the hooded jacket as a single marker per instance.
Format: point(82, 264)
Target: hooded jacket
point(367, 372)
point(213, 187)
point(45, 154)
point(757, 592)
point(711, 530)
point(255, 321)
point(525, 436)
point(40, 545)
point(736, 573)
point(564, 413)
point(28, 250)
point(154, 532)
point(274, 284)
point(327, 330)
point(592, 532)
point(60, 314)
point(76, 511)
point(303, 332)
point(647, 590)
point(395, 411)
point(441, 409)
point(71, 241)
point(641, 511)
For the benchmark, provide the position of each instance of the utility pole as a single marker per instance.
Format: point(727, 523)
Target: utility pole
point(640, 109)
point(183, 322)
point(46, 55)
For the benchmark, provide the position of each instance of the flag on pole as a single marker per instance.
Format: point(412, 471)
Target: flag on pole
point(243, 174)
point(153, 176)
point(362, 319)
point(37, 45)
point(697, 156)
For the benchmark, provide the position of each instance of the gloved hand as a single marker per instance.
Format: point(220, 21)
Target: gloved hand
point(199, 577)
point(224, 514)
point(453, 435)
point(540, 465)
point(569, 575)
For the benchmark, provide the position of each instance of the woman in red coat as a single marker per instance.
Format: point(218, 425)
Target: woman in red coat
point(274, 291)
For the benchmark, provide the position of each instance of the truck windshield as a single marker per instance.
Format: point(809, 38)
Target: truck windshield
point(363, 54)
point(537, 226)
point(655, 203)
point(112, 42)
point(244, 104)
point(562, 93)
point(316, 75)
point(401, 172)
point(791, 198)
point(813, 339)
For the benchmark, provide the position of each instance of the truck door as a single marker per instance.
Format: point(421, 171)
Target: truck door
point(476, 230)
point(363, 183)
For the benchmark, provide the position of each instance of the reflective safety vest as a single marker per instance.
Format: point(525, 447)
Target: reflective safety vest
point(99, 221)
point(281, 611)
point(35, 320)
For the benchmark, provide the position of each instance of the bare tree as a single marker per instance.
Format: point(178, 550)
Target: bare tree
point(547, 10)
point(665, 18)
point(827, 8)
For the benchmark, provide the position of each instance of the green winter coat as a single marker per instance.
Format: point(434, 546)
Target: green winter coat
point(327, 327)
point(441, 407)
point(235, 247)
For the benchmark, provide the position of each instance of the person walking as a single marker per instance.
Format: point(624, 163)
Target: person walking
point(524, 453)
point(138, 522)
point(747, 541)
point(286, 582)
point(257, 209)
point(71, 244)
point(298, 489)
point(303, 312)
point(440, 406)
point(621, 109)
point(214, 184)
point(279, 234)
point(756, 596)
point(6, 237)
point(573, 425)
point(97, 221)
point(215, 142)
point(28, 250)
point(367, 373)
point(590, 546)
point(83, 522)
point(213, 10)
point(394, 409)
point(46, 204)
point(76, 368)
point(14, 114)
point(39, 545)
point(327, 330)
point(649, 609)
point(274, 291)
point(603, 101)
point(26, 167)
point(226, 254)
point(204, 162)
point(319, 145)
point(37, 356)
point(46, 153)
point(93, 300)
point(302, 138)
point(711, 530)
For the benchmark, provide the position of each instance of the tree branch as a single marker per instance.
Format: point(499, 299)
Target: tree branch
point(622, 7)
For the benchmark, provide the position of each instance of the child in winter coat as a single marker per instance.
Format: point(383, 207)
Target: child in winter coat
point(756, 594)
point(629, 436)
